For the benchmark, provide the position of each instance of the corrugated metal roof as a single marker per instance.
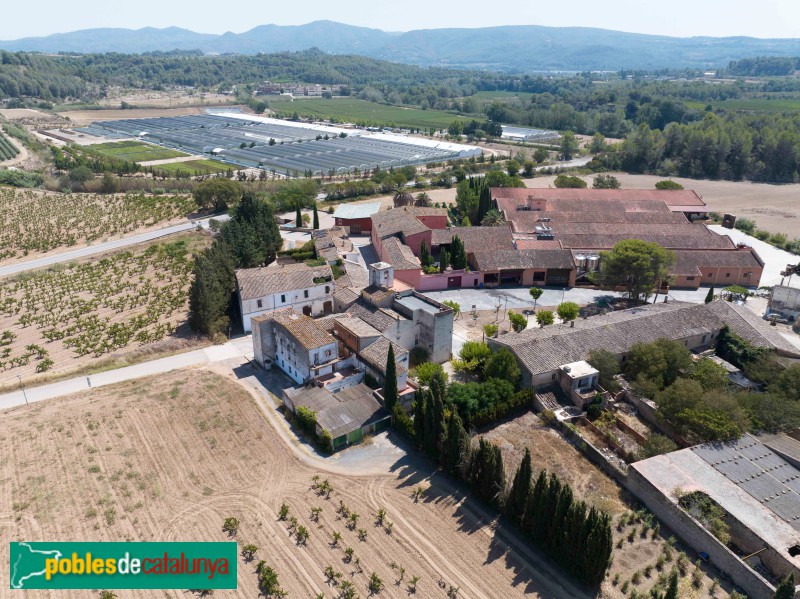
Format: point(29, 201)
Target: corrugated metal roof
point(353, 211)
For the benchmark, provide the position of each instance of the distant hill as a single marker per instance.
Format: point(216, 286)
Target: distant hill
point(511, 48)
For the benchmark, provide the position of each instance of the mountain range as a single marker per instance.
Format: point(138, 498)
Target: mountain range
point(523, 48)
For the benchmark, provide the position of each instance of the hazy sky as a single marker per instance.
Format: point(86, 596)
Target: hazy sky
point(757, 18)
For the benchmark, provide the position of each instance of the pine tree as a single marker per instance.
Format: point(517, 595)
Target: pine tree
point(315, 222)
point(298, 218)
point(520, 489)
point(710, 296)
point(444, 260)
point(672, 590)
point(390, 383)
point(785, 589)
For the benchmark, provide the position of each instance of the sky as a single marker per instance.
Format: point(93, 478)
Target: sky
point(756, 18)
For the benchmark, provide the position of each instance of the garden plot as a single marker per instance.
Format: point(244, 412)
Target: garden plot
point(101, 466)
point(135, 151)
point(65, 317)
point(35, 222)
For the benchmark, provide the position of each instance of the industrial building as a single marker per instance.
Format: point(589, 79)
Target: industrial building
point(527, 134)
point(758, 493)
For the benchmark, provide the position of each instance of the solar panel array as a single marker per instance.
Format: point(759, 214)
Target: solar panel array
point(294, 150)
point(760, 472)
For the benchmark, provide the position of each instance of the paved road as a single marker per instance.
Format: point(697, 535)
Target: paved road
point(241, 347)
point(106, 246)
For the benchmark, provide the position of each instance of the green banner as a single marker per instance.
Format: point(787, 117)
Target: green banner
point(123, 565)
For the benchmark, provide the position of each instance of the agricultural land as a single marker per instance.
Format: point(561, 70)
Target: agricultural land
point(192, 168)
point(98, 467)
point(135, 151)
point(69, 316)
point(37, 223)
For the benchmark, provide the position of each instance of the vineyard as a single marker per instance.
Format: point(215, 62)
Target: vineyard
point(33, 221)
point(51, 318)
point(7, 149)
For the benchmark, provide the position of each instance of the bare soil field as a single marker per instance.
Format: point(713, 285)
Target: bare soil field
point(633, 552)
point(163, 99)
point(774, 208)
point(18, 114)
point(81, 118)
point(66, 318)
point(98, 466)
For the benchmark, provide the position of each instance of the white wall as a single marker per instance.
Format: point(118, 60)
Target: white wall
point(296, 299)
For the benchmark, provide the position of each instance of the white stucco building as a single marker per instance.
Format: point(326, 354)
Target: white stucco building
point(306, 289)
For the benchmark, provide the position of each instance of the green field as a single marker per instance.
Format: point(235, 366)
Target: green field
point(352, 110)
point(135, 151)
point(489, 97)
point(195, 167)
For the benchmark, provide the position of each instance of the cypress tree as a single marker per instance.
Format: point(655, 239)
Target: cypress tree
point(498, 486)
point(532, 521)
point(548, 512)
point(520, 489)
point(785, 589)
point(210, 292)
point(484, 202)
point(390, 383)
point(419, 417)
point(298, 218)
point(439, 431)
point(425, 257)
point(598, 549)
point(710, 296)
point(444, 260)
point(571, 535)
point(315, 222)
point(455, 442)
point(429, 437)
point(564, 503)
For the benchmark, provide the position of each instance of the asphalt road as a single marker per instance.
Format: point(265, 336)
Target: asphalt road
point(101, 248)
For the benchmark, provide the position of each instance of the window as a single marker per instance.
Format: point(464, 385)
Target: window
point(690, 278)
point(475, 283)
point(283, 299)
point(327, 289)
point(708, 275)
point(305, 293)
point(727, 275)
point(259, 304)
point(538, 276)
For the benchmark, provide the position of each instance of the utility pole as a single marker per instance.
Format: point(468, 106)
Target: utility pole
point(25, 395)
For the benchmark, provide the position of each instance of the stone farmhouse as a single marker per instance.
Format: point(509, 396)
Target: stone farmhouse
point(307, 289)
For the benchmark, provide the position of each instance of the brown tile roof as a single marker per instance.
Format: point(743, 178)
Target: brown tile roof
point(309, 333)
point(526, 220)
point(376, 317)
point(537, 244)
point(673, 198)
point(425, 211)
point(399, 255)
point(276, 278)
point(376, 295)
point(397, 221)
point(375, 354)
point(346, 295)
point(544, 350)
point(357, 326)
point(689, 262)
point(605, 235)
point(523, 259)
point(475, 238)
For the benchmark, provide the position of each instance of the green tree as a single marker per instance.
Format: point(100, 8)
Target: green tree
point(425, 257)
point(519, 322)
point(607, 365)
point(656, 445)
point(709, 374)
point(454, 306)
point(568, 311)
point(710, 295)
point(474, 355)
point(598, 143)
point(298, 217)
point(489, 330)
point(536, 293)
point(672, 589)
point(458, 257)
point(426, 371)
point(444, 260)
point(606, 182)
point(569, 182)
point(667, 184)
point(493, 218)
point(390, 383)
point(544, 318)
point(520, 488)
point(210, 292)
point(661, 361)
point(217, 193)
point(569, 145)
point(636, 266)
point(540, 155)
point(457, 442)
point(512, 166)
point(502, 364)
point(456, 128)
point(315, 223)
point(786, 589)
point(252, 233)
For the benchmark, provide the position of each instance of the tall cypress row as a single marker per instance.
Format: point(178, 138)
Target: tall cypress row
point(520, 489)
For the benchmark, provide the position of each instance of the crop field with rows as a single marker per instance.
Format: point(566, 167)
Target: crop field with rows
point(37, 222)
point(7, 149)
point(60, 318)
point(192, 168)
point(135, 151)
